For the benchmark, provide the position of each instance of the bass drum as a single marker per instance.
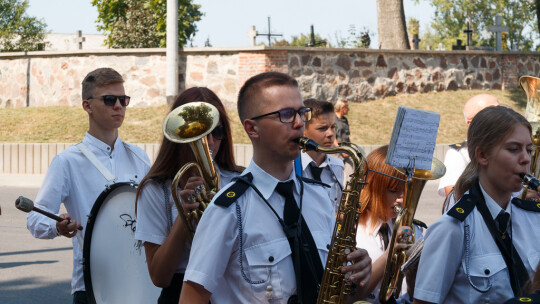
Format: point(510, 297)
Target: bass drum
point(115, 269)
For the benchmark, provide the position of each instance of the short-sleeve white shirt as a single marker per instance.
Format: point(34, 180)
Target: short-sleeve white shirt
point(156, 214)
point(373, 242)
point(266, 255)
point(332, 175)
point(455, 162)
point(73, 180)
point(442, 275)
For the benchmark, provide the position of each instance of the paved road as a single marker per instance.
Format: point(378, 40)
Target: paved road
point(39, 271)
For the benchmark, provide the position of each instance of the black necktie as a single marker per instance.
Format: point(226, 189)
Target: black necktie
point(307, 263)
point(315, 172)
point(383, 231)
point(502, 220)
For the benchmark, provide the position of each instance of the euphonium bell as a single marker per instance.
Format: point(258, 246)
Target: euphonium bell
point(190, 124)
point(393, 276)
point(531, 86)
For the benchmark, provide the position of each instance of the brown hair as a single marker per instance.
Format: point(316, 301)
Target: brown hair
point(172, 156)
point(254, 85)
point(98, 78)
point(488, 128)
point(372, 196)
point(318, 107)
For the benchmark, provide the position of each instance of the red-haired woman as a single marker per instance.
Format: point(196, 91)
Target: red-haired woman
point(379, 198)
point(158, 227)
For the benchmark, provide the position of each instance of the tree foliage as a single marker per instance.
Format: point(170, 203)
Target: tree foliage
point(355, 38)
point(302, 40)
point(18, 31)
point(451, 17)
point(142, 23)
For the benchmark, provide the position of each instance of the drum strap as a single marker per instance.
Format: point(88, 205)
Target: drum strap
point(93, 159)
point(128, 147)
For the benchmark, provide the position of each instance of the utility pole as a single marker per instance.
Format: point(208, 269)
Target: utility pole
point(171, 89)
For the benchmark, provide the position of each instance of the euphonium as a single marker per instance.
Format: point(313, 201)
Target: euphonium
point(393, 276)
point(335, 287)
point(531, 86)
point(191, 123)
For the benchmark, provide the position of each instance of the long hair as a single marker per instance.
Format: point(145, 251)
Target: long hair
point(488, 128)
point(172, 156)
point(373, 194)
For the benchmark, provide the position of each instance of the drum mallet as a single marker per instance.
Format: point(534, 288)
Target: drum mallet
point(26, 205)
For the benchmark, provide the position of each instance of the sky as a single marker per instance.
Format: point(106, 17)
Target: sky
point(226, 22)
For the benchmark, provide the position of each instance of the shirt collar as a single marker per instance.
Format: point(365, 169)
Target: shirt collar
point(493, 207)
point(265, 182)
point(306, 160)
point(91, 140)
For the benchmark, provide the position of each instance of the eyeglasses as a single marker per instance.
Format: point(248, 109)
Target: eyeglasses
point(218, 133)
point(289, 115)
point(110, 100)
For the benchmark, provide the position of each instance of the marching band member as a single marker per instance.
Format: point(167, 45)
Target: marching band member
point(379, 198)
point(247, 245)
point(320, 166)
point(78, 175)
point(158, 226)
point(486, 247)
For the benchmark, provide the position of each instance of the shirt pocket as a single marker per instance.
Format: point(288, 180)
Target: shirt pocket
point(487, 270)
point(322, 241)
point(534, 260)
point(268, 264)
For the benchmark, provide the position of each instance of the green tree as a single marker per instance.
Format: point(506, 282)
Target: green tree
point(142, 23)
point(302, 40)
point(451, 17)
point(18, 31)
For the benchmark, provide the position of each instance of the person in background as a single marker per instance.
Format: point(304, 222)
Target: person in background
point(79, 174)
point(320, 166)
point(484, 248)
point(343, 134)
point(159, 227)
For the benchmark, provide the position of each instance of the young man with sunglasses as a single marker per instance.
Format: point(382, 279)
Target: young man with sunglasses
point(265, 237)
point(78, 175)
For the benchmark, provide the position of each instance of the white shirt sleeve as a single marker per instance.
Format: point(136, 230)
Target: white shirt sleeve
point(52, 193)
point(152, 214)
point(455, 163)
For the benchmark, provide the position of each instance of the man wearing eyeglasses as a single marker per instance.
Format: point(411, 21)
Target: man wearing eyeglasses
point(265, 237)
point(78, 175)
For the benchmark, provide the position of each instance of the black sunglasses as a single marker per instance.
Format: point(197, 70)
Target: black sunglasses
point(288, 115)
point(110, 100)
point(218, 132)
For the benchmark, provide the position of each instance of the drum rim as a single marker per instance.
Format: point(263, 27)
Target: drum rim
point(87, 276)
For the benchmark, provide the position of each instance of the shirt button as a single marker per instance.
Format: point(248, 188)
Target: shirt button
point(108, 148)
point(328, 246)
point(486, 271)
point(271, 259)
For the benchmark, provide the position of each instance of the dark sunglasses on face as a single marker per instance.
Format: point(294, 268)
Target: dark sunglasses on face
point(110, 100)
point(288, 115)
point(218, 132)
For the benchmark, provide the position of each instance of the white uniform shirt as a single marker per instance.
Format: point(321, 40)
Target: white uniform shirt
point(215, 256)
point(332, 175)
point(442, 276)
point(73, 180)
point(373, 242)
point(154, 221)
point(455, 162)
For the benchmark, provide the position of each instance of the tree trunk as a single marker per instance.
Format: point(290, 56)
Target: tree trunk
point(538, 14)
point(391, 25)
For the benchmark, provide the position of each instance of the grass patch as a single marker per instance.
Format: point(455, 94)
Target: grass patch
point(371, 122)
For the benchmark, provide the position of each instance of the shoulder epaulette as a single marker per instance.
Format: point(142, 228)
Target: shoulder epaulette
point(419, 223)
point(459, 146)
point(526, 205)
point(229, 196)
point(462, 208)
point(312, 181)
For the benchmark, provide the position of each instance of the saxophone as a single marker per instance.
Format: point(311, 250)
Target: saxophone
point(335, 286)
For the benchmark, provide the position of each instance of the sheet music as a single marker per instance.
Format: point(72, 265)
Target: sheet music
point(413, 138)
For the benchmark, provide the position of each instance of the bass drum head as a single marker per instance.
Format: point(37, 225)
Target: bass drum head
point(115, 269)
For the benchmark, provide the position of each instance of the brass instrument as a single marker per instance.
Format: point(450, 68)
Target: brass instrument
point(335, 286)
point(531, 86)
point(393, 276)
point(191, 123)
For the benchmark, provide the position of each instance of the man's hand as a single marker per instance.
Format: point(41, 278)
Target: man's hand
point(67, 227)
point(361, 269)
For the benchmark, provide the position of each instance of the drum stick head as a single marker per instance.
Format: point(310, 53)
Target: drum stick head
point(24, 204)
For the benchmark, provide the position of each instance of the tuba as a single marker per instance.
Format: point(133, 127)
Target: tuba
point(191, 123)
point(531, 86)
point(393, 276)
point(335, 286)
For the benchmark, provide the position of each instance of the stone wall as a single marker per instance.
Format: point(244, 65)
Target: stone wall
point(53, 78)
